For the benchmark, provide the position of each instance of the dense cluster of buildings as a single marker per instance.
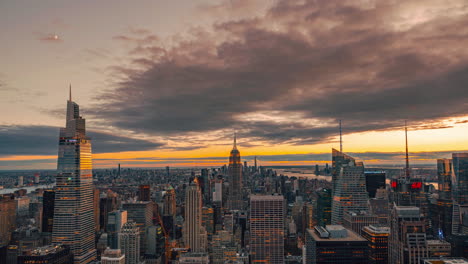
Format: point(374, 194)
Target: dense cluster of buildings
point(234, 214)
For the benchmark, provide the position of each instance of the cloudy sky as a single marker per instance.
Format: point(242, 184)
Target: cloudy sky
point(168, 82)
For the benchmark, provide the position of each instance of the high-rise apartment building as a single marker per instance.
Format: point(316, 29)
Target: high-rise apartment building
point(74, 223)
point(267, 214)
point(235, 199)
point(194, 234)
point(349, 187)
point(407, 243)
point(129, 242)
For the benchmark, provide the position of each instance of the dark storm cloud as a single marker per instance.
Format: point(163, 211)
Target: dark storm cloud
point(367, 62)
point(43, 140)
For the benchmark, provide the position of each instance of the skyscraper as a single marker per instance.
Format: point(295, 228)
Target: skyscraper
point(267, 213)
point(112, 256)
point(116, 220)
point(194, 235)
point(407, 243)
point(460, 177)
point(48, 210)
point(338, 160)
point(141, 213)
point(334, 244)
point(377, 237)
point(235, 201)
point(129, 242)
point(349, 185)
point(374, 180)
point(444, 177)
point(144, 192)
point(7, 218)
point(74, 223)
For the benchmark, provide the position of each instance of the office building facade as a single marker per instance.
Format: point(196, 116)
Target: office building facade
point(267, 213)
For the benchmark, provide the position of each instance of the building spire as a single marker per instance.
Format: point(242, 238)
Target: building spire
point(70, 94)
point(235, 141)
point(407, 170)
point(341, 140)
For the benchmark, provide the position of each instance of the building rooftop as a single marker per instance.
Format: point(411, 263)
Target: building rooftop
point(437, 242)
point(407, 211)
point(335, 233)
point(266, 197)
point(378, 229)
point(445, 261)
point(45, 250)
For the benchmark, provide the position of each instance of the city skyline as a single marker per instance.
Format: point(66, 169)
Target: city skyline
point(281, 74)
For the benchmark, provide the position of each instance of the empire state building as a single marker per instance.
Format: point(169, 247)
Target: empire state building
point(235, 200)
point(73, 213)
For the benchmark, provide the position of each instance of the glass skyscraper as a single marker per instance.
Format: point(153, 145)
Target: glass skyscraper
point(349, 186)
point(460, 177)
point(74, 223)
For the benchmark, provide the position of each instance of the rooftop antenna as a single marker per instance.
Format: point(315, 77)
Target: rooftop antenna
point(70, 93)
point(341, 139)
point(235, 140)
point(407, 171)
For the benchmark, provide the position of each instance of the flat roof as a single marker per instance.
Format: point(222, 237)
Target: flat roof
point(351, 235)
point(266, 197)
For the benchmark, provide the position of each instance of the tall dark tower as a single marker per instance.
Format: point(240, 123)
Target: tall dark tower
point(235, 200)
point(73, 223)
point(48, 210)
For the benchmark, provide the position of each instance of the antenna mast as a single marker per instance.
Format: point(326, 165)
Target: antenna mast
point(407, 170)
point(341, 139)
